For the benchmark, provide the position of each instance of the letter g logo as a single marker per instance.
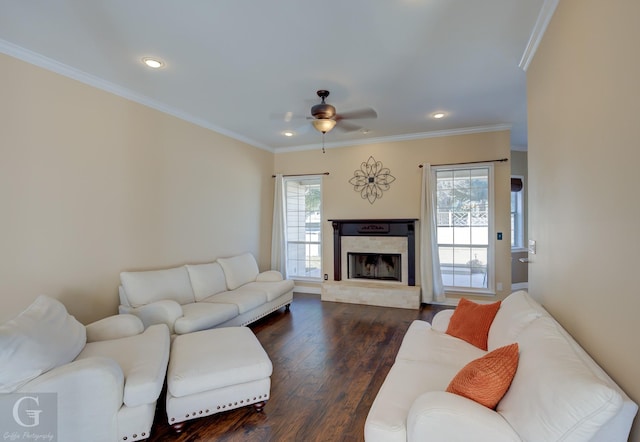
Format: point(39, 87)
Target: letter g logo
point(33, 414)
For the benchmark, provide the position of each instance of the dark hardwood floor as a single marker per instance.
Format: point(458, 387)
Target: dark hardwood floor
point(329, 360)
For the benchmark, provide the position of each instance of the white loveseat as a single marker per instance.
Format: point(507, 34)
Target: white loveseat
point(107, 376)
point(225, 293)
point(558, 392)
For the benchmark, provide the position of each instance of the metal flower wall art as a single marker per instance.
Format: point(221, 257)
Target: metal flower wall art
point(371, 180)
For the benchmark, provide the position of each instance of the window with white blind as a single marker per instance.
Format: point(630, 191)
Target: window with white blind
point(303, 207)
point(464, 203)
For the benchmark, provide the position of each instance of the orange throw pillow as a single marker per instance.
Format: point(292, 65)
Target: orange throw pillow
point(471, 322)
point(487, 379)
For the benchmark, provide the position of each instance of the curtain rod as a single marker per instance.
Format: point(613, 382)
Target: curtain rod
point(303, 174)
point(501, 160)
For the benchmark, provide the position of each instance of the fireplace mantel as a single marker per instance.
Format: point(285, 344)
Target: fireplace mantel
point(404, 227)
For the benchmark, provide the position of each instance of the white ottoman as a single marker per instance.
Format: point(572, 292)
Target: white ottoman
point(216, 370)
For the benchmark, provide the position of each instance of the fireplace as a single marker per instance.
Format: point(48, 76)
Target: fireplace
point(382, 250)
point(374, 263)
point(376, 266)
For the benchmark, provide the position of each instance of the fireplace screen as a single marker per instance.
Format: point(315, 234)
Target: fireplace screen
point(381, 266)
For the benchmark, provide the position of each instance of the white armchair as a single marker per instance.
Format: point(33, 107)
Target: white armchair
point(107, 375)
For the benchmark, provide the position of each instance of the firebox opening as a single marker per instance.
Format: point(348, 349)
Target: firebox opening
point(380, 266)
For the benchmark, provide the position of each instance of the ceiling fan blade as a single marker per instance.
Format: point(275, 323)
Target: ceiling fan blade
point(358, 114)
point(347, 127)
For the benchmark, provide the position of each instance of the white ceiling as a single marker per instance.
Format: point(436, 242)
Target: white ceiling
point(239, 66)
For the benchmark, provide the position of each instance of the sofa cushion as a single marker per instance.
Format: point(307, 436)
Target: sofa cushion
point(245, 298)
point(203, 315)
point(273, 289)
point(485, 380)
point(516, 312)
point(143, 359)
point(555, 395)
point(422, 343)
point(239, 270)
point(206, 280)
point(143, 288)
point(233, 356)
point(42, 337)
point(471, 322)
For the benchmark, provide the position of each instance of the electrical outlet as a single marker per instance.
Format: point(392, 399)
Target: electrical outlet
point(532, 246)
point(326, 277)
point(499, 236)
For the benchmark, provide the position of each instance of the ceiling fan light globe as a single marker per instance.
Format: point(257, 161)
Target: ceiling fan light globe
point(323, 125)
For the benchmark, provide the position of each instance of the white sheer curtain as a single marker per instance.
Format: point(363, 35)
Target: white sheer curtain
point(278, 234)
point(430, 275)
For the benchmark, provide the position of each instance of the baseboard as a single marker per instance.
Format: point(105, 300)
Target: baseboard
point(452, 302)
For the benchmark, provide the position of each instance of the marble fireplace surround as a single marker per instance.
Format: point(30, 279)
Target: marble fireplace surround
point(373, 236)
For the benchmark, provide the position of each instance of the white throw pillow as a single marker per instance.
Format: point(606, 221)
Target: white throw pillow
point(516, 312)
point(143, 288)
point(207, 280)
point(555, 395)
point(239, 270)
point(42, 337)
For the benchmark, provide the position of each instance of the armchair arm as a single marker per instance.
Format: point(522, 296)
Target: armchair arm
point(269, 276)
point(89, 396)
point(159, 312)
point(114, 327)
point(440, 321)
point(447, 417)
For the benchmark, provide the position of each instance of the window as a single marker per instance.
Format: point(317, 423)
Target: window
point(517, 213)
point(464, 225)
point(303, 207)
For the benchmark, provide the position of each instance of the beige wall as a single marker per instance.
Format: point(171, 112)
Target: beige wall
point(584, 103)
point(403, 199)
point(92, 184)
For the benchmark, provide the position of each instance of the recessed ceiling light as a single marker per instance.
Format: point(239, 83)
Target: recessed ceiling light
point(153, 62)
point(288, 133)
point(438, 115)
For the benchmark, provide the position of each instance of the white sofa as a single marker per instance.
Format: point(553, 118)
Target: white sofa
point(225, 293)
point(558, 392)
point(107, 376)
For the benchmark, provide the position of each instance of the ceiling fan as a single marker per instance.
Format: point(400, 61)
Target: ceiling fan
point(324, 116)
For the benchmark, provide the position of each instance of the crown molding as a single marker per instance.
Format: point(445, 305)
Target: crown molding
point(404, 137)
point(548, 8)
point(99, 83)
